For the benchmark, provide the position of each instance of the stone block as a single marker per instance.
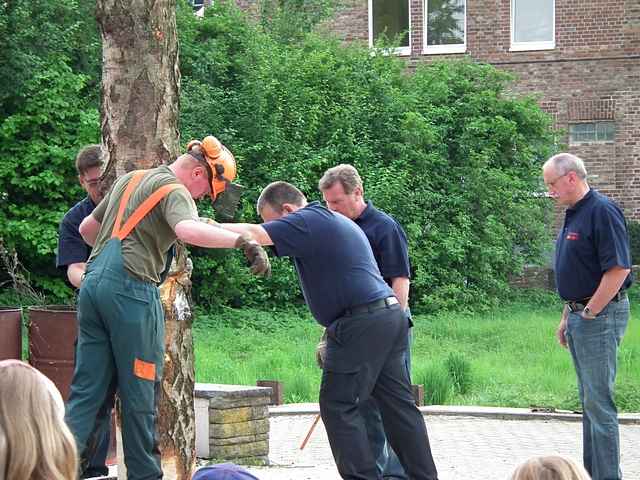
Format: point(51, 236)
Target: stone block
point(233, 396)
point(240, 429)
point(240, 414)
point(242, 450)
point(260, 437)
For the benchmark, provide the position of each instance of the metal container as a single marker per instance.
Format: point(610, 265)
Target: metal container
point(10, 333)
point(52, 336)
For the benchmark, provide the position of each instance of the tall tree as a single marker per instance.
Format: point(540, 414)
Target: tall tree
point(140, 104)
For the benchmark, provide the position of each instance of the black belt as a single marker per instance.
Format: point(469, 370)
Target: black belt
point(372, 306)
point(578, 305)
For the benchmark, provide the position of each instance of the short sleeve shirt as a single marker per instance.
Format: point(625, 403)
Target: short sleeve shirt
point(145, 249)
point(71, 246)
point(593, 240)
point(333, 258)
point(388, 241)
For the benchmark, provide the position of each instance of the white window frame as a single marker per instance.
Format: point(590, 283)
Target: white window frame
point(525, 46)
point(399, 50)
point(442, 49)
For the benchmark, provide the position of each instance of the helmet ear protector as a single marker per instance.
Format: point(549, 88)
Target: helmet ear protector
point(218, 160)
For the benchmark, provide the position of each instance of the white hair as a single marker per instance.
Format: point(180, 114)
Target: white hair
point(564, 163)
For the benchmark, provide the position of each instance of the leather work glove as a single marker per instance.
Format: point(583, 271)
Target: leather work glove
point(321, 349)
point(257, 256)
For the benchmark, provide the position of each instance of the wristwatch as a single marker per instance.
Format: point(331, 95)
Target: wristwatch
point(588, 313)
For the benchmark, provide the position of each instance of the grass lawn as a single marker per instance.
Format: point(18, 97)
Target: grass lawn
point(504, 357)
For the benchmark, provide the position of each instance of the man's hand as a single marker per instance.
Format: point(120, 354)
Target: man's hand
point(75, 272)
point(258, 259)
point(562, 330)
point(321, 349)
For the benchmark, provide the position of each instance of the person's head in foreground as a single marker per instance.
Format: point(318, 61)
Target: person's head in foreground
point(550, 467)
point(35, 443)
point(223, 471)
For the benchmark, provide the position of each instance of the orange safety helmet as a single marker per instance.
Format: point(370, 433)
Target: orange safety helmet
point(220, 163)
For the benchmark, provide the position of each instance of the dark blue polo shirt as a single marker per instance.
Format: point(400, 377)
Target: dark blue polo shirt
point(593, 240)
point(388, 242)
point(71, 246)
point(333, 258)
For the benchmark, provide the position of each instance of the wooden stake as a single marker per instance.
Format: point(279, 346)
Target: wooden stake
point(313, 426)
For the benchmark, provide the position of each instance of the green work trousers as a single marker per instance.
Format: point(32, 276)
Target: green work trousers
point(120, 349)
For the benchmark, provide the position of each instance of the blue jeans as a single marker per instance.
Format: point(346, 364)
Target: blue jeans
point(387, 461)
point(594, 347)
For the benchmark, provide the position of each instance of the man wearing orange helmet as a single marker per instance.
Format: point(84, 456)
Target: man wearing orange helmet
point(120, 320)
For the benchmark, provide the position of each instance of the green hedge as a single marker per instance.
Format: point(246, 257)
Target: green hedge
point(633, 227)
point(448, 150)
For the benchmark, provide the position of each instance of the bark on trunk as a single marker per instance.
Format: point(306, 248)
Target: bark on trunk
point(176, 411)
point(140, 105)
point(140, 83)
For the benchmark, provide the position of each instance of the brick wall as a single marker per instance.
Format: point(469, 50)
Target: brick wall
point(592, 74)
point(352, 21)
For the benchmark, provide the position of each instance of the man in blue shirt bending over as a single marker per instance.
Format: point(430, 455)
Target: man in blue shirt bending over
point(366, 330)
point(593, 265)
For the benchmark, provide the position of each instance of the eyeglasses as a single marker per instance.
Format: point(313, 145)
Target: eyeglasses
point(91, 182)
point(553, 182)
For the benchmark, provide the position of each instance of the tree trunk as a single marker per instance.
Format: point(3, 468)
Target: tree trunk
point(140, 105)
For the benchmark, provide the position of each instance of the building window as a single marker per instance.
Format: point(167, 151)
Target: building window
point(592, 132)
point(390, 19)
point(445, 30)
point(532, 25)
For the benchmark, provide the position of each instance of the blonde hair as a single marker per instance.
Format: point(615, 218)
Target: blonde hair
point(35, 442)
point(551, 467)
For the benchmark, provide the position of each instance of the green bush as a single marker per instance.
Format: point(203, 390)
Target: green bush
point(37, 148)
point(50, 71)
point(448, 151)
point(633, 227)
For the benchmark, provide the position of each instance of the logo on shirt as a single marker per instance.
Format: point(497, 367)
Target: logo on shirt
point(573, 236)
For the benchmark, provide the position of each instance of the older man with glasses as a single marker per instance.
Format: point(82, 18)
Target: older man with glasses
point(592, 268)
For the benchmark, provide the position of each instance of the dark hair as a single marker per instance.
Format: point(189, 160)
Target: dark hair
point(276, 194)
point(89, 157)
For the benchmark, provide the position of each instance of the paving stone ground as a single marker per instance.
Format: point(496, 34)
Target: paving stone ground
point(464, 447)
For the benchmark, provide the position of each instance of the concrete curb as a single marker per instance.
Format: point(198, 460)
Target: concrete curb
point(497, 413)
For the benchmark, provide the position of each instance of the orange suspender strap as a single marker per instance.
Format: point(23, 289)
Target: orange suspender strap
point(143, 209)
point(133, 183)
